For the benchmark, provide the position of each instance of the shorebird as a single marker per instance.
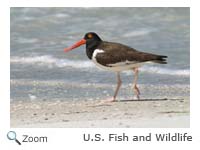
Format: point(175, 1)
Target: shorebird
point(116, 57)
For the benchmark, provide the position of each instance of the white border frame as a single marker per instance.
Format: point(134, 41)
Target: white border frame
point(71, 138)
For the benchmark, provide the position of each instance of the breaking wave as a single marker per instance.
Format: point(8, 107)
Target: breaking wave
point(50, 61)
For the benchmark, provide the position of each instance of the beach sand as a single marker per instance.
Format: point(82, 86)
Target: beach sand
point(145, 113)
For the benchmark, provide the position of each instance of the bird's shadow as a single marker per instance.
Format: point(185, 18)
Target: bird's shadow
point(139, 100)
point(150, 99)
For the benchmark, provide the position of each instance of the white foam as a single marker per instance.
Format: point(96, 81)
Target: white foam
point(167, 71)
point(50, 61)
point(163, 70)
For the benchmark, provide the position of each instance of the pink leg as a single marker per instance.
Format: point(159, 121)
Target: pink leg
point(135, 88)
point(119, 82)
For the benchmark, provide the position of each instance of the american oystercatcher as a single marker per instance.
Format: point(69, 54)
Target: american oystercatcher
point(116, 57)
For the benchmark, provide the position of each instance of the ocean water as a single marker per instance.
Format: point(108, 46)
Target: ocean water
point(40, 70)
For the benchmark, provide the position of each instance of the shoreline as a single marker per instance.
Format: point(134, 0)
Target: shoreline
point(145, 113)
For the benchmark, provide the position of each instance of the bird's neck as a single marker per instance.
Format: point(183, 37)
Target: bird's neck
point(90, 48)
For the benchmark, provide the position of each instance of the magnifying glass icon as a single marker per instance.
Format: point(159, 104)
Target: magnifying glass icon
point(11, 135)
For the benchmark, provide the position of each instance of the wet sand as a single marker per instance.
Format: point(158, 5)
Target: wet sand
point(147, 113)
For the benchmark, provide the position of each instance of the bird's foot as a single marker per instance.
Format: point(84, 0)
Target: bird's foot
point(136, 92)
point(109, 100)
point(136, 97)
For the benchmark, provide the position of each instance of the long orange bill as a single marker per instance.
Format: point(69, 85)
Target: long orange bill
point(77, 44)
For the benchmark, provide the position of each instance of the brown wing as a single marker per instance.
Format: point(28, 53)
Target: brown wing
point(116, 53)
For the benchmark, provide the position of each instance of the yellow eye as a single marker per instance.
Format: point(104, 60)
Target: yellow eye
point(90, 36)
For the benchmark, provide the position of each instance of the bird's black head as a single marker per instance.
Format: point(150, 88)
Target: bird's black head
point(92, 36)
point(91, 39)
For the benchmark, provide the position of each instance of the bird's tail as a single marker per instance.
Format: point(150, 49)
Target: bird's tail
point(160, 59)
